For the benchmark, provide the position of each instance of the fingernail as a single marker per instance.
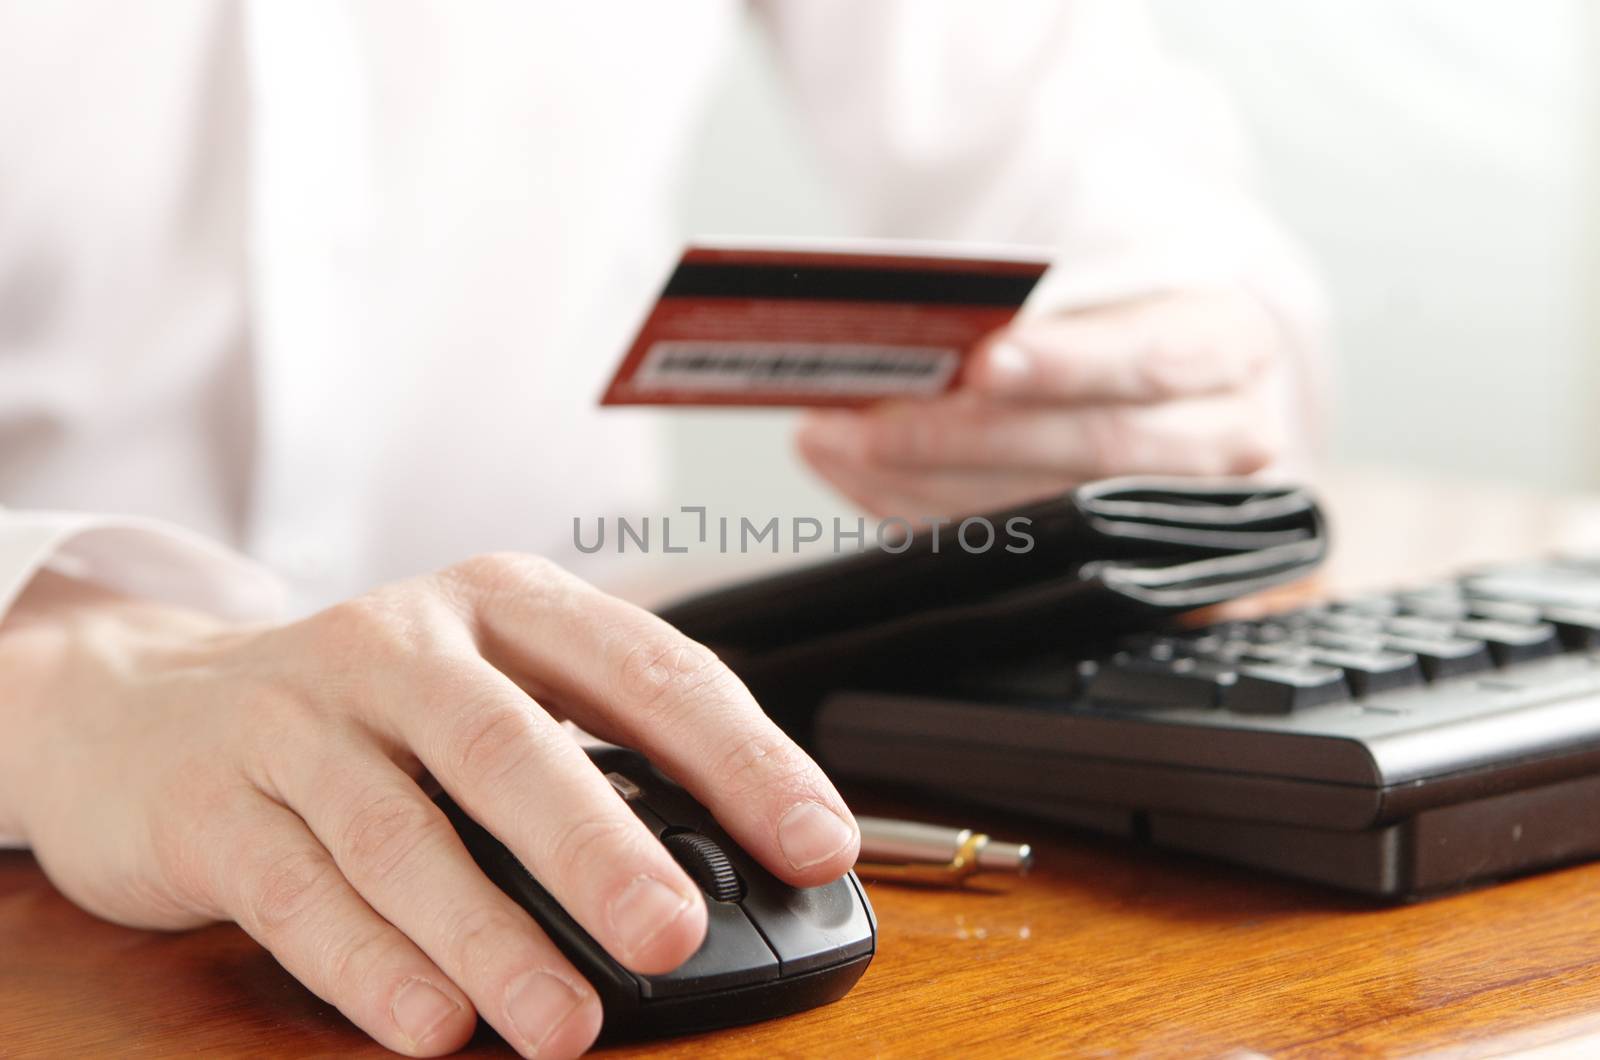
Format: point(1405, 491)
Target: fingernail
point(419, 1008)
point(643, 910)
point(1008, 368)
point(810, 834)
point(537, 1005)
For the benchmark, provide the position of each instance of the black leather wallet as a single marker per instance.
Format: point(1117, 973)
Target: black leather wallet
point(1105, 559)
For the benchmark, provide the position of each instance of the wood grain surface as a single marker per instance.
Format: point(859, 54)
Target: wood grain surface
point(1105, 950)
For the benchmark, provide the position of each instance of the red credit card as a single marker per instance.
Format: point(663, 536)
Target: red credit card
point(814, 324)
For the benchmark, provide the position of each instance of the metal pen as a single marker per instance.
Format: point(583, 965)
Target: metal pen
point(914, 852)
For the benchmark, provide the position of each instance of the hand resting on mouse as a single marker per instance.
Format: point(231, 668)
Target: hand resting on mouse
point(169, 771)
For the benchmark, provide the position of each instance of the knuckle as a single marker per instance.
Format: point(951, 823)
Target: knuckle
point(1253, 450)
point(969, 433)
point(477, 933)
point(813, 445)
point(950, 433)
point(584, 848)
point(380, 623)
point(1109, 439)
point(489, 738)
point(1257, 331)
point(286, 889)
point(492, 573)
point(667, 670)
point(890, 438)
point(350, 964)
point(1255, 356)
point(353, 617)
point(760, 762)
point(1254, 436)
point(383, 833)
point(1166, 369)
point(486, 567)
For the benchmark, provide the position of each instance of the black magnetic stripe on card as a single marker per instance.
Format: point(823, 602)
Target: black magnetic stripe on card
point(830, 283)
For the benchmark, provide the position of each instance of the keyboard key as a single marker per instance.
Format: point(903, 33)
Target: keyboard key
point(1343, 623)
point(1276, 633)
point(1579, 629)
point(1542, 585)
point(1436, 608)
point(1420, 627)
point(1443, 657)
point(1282, 688)
point(1379, 605)
point(1205, 642)
point(1153, 645)
point(1303, 619)
point(1512, 642)
point(1222, 650)
point(1506, 611)
point(1442, 592)
point(1371, 672)
point(1348, 641)
point(1133, 681)
point(1587, 563)
point(1294, 654)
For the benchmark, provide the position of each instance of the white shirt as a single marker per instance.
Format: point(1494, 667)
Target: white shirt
point(333, 285)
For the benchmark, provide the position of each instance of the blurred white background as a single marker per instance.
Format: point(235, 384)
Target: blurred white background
point(1434, 157)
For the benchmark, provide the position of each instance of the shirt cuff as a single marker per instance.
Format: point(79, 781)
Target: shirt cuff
point(138, 557)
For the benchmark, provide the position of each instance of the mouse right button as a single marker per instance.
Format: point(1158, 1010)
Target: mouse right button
point(733, 954)
point(810, 927)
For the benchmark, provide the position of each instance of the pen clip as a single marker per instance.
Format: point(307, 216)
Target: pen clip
point(952, 873)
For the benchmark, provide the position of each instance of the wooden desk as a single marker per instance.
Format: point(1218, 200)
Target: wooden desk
point(1106, 949)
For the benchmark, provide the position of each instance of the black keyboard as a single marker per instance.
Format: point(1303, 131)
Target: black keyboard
point(1400, 744)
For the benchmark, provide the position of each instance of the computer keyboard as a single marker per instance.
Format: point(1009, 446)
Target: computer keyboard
point(1397, 744)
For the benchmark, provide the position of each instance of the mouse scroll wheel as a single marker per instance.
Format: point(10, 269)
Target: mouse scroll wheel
point(706, 864)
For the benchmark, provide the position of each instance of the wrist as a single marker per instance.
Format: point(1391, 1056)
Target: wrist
point(64, 641)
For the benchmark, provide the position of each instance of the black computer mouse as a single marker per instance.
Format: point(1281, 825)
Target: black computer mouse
point(770, 948)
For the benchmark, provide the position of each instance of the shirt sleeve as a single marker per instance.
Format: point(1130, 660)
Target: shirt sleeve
point(1054, 123)
point(137, 557)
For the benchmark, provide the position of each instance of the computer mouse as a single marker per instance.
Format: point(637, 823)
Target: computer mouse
point(771, 949)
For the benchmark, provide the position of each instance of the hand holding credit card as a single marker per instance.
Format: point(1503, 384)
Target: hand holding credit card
point(917, 409)
point(841, 324)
